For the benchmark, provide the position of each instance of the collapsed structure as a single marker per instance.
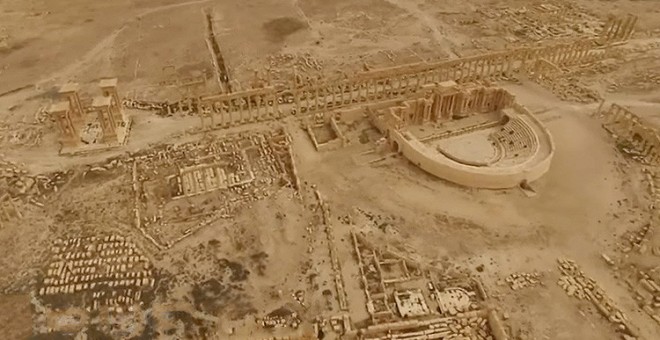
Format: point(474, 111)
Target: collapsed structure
point(404, 301)
point(635, 136)
point(576, 283)
point(179, 189)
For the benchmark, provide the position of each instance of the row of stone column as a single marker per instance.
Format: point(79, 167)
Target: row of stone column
point(340, 94)
point(414, 111)
point(388, 87)
point(561, 55)
point(445, 105)
point(622, 117)
point(628, 125)
point(447, 102)
point(238, 108)
point(486, 100)
point(567, 54)
point(479, 68)
point(619, 29)
point(317, 97)
point(385, 86)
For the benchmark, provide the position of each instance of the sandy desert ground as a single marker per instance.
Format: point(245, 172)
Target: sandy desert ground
point(288, 249)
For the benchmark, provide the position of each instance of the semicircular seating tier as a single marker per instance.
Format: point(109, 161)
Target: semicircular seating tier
point(471, 135)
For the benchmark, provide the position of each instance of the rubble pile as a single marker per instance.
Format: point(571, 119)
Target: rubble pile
point(25, 134)
point(28, 136)
point(121, 163)
point(280, 318)
point(305, 65)
point(164, 109)
point(577, 284)
point(643, 284)
point(20, 184)
point(570, 89)
point(299, 296)
point(523, 280)
point(172, 183)
point(645, 80)
point(191, 106)
point(471, 326)
point(456, 300)
point(13, 179)
point(553, 20)
point(636, 240)
point(646, 289)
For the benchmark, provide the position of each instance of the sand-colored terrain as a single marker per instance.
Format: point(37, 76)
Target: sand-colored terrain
point(267, 187)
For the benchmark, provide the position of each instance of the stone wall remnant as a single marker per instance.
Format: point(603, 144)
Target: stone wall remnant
point(635, 136)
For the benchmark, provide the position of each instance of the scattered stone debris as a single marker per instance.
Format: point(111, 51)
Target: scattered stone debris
point(172, 184)
point(607, 259)
point(637, 240)
point(578, 285)
point(99, 273)
point(19, 184)
point(523, 280)
point(180, 189)
point(635, 136)
point(453, 301)
point(645, 287)
point(474, 325)
point(281, 317)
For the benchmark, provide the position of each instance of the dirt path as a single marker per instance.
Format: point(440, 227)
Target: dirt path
point(104, 46)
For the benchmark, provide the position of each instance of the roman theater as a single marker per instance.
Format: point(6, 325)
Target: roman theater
point(474, 136)
point(329, 170)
